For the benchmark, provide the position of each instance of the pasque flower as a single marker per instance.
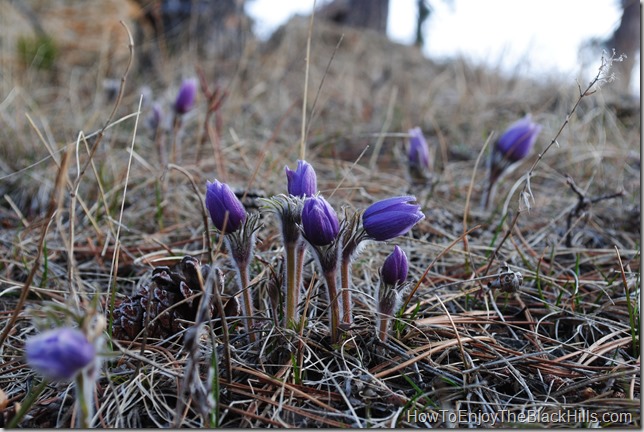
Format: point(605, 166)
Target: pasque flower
point(59, 354)
point(321, 228)
point(186, 96)
point(229, 216)
point(418, 151)
point(391, 217)
point(513, 145)
point(395, 268)
point(155, 117)
point(518, 139)
point(392, 284)
point(302, 182)
point(224, 207)
point(319, 221)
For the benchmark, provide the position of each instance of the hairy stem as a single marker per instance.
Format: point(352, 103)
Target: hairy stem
point(247, 299)
point(345, 281)
point(84, 402)
point(299, 267)
point(292, 283)
point(382, 326)
point(334, 307)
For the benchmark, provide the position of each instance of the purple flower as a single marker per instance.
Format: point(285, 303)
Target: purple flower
point(186, 97)
point(302, 182)
point(517, 141)
point(156, 117)
point(395, 267)
point(391, 217)
point(319, 221)
point(220, 200)
point(59, 354)
point(418, 150)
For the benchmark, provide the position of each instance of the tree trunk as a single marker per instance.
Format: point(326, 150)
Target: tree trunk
point(626, 40)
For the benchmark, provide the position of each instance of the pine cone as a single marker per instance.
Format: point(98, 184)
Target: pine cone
point(171, 298)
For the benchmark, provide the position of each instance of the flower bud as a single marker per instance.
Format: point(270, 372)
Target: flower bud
point(220, 200)
point(302, 182)
point(418, 151)
point(319, 221)
point(59, 354)
point(517, 141)
point(186, 97)
point(395, 267)
point(392, 217)
point(155, 118)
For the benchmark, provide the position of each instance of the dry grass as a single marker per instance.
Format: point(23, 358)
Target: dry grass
point(567, 341)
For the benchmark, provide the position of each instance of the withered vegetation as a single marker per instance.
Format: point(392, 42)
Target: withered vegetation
point(89, 209)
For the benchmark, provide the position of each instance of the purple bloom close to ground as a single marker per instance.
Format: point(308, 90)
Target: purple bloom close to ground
point(395, 267)
point(220, 200)
point(186, 97)
point(302, 182)
point(155, 118)
point(518, 139)
point(59, 354)
point(319, 221)
point(392, 217)
point(418, 149)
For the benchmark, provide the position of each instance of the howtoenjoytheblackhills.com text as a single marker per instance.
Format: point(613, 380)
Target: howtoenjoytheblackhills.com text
point(464, 417)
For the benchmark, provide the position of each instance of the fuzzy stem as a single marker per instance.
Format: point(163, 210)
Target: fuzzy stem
point(247, 299)
point(382, 327)
point(159, 141)
point(345, 280)
point(176, 144)
point(292, 285)
point(299, 268)
point(352, 238)
point(84, 402)
point(330, 277)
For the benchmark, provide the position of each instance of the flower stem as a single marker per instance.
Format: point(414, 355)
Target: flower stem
point(299, 267)
point(334, 307)
point(382, 327)
point(84, 402)
point(345, 281)
point(176, 143)
point(292, 283)
point(247, 299)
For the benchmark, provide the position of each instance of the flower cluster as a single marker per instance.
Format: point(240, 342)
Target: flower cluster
point(307, 218)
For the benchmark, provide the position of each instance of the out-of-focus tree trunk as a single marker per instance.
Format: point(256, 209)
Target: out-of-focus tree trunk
point(423, 13)
point(371, 14)
point(626, 40)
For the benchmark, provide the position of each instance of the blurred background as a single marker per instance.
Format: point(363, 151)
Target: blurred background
point(534, 37)
point(530, 37)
